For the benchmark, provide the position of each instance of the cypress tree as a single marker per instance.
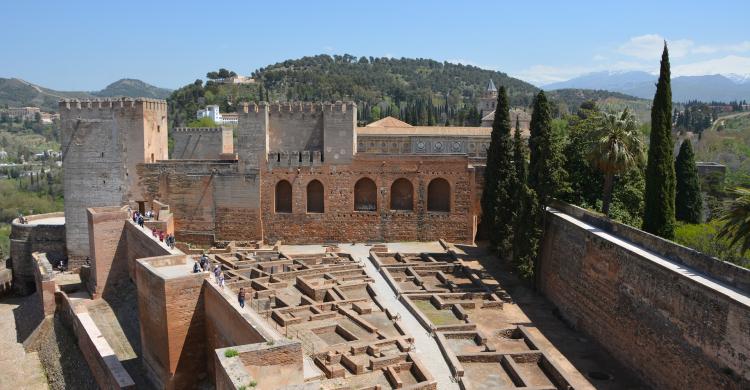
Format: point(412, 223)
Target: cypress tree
point(499, 176)
point(525, 230)
point(688, 202)
point(659, 206)
point(547, 177)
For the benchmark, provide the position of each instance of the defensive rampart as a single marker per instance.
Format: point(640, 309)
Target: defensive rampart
point(678, 318)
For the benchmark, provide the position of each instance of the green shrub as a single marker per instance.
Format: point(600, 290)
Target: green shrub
point(231, 352)
point(702, 237)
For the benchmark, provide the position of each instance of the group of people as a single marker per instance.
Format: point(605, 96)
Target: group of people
point(138, 218)
point(163, 236)
point(203, 264)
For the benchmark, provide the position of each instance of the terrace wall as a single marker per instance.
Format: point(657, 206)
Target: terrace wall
point(671, 329)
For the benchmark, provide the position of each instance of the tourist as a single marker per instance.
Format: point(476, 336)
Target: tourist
point(203, 260)
point(196, 267)
point(155, 232)
point(217, 270)
point(241, 297)
point(207, 266)
point(221, 279)
point(140, 221)
point(161, 236)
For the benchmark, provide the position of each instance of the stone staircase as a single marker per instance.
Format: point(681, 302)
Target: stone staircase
point(18, 369)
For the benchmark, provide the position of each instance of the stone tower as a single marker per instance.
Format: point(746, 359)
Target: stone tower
point(488, 100)
point(102, 141)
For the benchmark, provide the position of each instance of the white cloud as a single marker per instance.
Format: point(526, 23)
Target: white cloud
point(599, 57)
point(740, 47)
point(649, 47)
point(725, 65)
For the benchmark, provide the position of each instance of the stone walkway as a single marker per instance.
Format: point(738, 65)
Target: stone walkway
point(18, 369)
point(426, 347)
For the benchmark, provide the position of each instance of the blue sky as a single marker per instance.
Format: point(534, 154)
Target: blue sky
point(85, 45)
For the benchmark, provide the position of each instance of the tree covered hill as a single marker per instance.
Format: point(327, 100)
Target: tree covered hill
point(15, 92)
point(419, 91)
point(133, 88)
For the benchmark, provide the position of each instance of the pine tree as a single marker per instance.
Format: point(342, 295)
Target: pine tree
point(547, 177)
point(659, 197)
point(499, 176)
point(688, 202)
point(526, 232)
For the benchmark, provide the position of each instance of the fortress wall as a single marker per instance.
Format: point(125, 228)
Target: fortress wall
point(108, 248)
point(26, 239)
point(102, 141)
point(341, 223)
point(339, 132)
point(252, 135)
point(200, 143)
point(172, 321)
point(295, 126)
point(209, 199)
point(672, 329)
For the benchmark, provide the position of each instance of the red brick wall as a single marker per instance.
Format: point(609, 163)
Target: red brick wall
point(341, 223)
point(172, 324)
point(672, 331)
point(108, 248)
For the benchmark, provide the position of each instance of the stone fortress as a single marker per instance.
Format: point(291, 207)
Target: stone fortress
point(355, 248)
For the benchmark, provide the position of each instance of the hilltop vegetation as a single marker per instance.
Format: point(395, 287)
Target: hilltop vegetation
point(419, 91)
point(19, 93)
point(133, 88)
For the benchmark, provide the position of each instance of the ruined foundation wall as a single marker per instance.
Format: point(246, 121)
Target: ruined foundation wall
point(672, 331)
point(341, 223)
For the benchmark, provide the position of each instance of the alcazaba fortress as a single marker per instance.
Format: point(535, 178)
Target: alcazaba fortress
point(354, 247)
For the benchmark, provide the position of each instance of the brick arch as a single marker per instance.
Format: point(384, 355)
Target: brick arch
point(315, 197)
point(365, 195)
point(439, 195)
point(283, 198)
point(402, 195)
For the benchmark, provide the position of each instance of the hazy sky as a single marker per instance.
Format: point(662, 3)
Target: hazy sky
point(85, 45)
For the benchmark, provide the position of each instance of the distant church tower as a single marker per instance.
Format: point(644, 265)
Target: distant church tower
point(488, 100)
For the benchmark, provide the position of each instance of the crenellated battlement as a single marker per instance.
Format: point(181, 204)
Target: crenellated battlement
point(198, 130)
point(294, 158)
point(280, 108)
point(113, 103)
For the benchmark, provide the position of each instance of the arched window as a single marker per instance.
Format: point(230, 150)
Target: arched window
point(315, 197)
point(402, 195)
point(365, 195)
point(283, 197)
point(439, 195)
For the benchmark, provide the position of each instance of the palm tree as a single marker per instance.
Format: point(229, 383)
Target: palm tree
point(615, 147)
point(736, 219)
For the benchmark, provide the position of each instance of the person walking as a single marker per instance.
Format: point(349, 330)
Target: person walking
point(221, 279)
point(140, 221)
point(241, 297)
point(217, 270)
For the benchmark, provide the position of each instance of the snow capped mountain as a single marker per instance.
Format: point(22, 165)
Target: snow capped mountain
point(738, 78)
point(714, 87)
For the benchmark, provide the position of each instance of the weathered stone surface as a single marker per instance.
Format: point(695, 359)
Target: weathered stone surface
point(674, 330)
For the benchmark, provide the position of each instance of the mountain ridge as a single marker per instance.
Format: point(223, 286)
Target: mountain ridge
point(714, 87)
point(16, 92)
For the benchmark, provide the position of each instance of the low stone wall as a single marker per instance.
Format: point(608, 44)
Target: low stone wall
point(28, 238)
point(104, 364)
point(676, 327)
point(728, 273)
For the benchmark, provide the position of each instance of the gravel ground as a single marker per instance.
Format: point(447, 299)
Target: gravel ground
point(63, 362)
